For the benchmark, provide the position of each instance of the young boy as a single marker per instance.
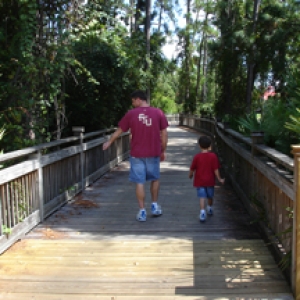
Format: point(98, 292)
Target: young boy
point(206, 167)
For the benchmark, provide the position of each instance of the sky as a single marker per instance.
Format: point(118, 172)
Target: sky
point(169, 50)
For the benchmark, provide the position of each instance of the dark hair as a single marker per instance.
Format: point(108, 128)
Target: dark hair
point(139, 94)
point(204, 142)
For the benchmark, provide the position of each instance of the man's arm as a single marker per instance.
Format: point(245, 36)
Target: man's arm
point(113, 137)
point(164, 140)
point(164, 143)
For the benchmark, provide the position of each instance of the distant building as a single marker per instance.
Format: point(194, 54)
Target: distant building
point(269, 92)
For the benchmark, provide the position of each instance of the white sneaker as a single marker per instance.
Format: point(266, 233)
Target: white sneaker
point(141, 216)
point(156, 210)
point(210, 211)
point(202, 216)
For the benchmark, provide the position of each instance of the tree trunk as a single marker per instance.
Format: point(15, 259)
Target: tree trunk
point(148, 24)
point(160, 14)
point(139, 7)
point(199, 71)
point(187, 55)
point(251, 60)
point(204, 88)
point(131, 19)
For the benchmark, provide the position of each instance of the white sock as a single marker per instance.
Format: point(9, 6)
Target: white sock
point(208, 207)
point(202, 211)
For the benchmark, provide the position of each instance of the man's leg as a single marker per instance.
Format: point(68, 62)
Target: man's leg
point(154, 189)
point(140, 195)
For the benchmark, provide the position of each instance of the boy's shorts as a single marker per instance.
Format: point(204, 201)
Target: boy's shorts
point(205, 192)
point(144, 168)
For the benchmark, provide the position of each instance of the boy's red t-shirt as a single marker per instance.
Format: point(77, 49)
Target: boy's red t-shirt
point(204, 165)
point(145, 124)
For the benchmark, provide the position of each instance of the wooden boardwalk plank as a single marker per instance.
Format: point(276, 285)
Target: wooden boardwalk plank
point(93, 248)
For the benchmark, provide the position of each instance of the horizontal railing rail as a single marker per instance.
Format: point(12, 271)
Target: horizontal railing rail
point(262, 177)
point(40, 179)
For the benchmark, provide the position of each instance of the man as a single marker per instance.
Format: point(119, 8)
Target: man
point(148, 127)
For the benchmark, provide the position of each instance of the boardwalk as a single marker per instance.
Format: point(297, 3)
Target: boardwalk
point(94, 248)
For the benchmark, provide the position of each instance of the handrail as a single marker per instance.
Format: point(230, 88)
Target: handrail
point(29, 150)
point(39, 179)
point(40, 183)
point(266, 180)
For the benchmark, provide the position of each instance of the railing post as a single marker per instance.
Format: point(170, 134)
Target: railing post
point(1, 221)
point(78, 131)
point(257, 138)
point(41, 185)
point(296, 225)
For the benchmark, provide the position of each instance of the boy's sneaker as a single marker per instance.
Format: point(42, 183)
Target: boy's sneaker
point(141, 216)
point(156, 210)
point(210, 211)
point(202, 216)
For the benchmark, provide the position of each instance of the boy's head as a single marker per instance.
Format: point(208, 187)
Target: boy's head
point(204, 142)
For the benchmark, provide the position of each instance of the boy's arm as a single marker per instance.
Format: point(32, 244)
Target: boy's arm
point(217, 173)
point(191, 174)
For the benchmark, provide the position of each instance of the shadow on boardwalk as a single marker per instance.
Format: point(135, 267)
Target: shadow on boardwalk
point(93, 248)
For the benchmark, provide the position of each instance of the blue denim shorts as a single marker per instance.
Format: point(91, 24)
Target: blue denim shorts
point(205, 192)
point(144, 168)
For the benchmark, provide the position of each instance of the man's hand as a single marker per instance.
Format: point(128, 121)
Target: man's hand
point(162, 156)
point(114, 136)
point(106, 145)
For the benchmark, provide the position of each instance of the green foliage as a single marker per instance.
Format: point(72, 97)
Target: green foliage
point(293, 96)
point(250, 123)
point(62, 64)
point(294, 123)
point(268, 43)
point(100, 103)
point(275, 115)
point(272, 121)
point(34, 64)
point(206, 108)
point(6, 230)
point(164, 92)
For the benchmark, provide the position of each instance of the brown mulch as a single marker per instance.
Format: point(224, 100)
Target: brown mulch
point(52, 234)
point(84, 203)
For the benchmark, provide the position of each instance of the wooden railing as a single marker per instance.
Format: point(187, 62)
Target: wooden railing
point(40, 179)
point(173, 119)
point(265, 181)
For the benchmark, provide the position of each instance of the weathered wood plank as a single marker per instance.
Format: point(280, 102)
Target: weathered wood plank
point(111, 296)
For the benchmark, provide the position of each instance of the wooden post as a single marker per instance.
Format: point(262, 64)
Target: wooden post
point(41, 186)
point(78, 131)
point(257, 138)
point(1, 221)
point(296, 225)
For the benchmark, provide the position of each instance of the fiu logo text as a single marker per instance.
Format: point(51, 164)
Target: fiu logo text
point(145, 119)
